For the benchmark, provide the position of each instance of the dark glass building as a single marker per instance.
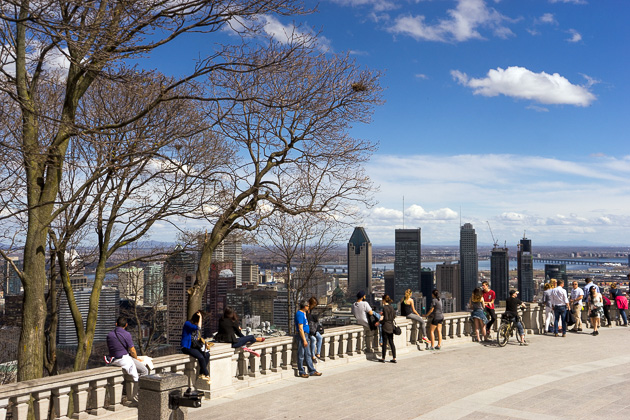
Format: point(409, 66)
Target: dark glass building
point(427, 284)
point(407, 262)
point(500, 272)
point(525, 270)
point(359, 263)
point(556, 271)
point(468, 260)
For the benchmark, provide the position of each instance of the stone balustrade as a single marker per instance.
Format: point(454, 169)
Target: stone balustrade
point(98, 391)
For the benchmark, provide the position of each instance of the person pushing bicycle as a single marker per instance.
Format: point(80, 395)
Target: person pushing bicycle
point(512, 305)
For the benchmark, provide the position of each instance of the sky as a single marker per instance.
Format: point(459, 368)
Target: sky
point(512, 112)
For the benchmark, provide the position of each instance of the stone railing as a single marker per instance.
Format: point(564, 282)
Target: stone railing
point(98, 391)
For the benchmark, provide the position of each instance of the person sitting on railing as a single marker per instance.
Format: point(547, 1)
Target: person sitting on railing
point(123, 353)
point(230, 332)
point(408, 310)
point(363, 313)
point(193, 346)
point(512, 305)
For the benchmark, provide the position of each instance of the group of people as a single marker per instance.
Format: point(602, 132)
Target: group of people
point(590, 298)
point(384, 322)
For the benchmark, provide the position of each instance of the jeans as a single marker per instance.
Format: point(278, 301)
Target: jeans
point(519, 328)
point(624, 317)
point(493, 318)
point(607, 313)
point(202, 358)
point(244, 341)
point(304, 354)
point(560, 312)
point(316, 344)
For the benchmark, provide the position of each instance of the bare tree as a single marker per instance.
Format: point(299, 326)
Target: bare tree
point(296, 156)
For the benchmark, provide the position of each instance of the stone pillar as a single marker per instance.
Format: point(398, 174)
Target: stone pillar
point(115, 387)
point(41, 404)
point(20, 411)
point(99, 389)
point(154, 394)
point(80, 400)
point(61, 398)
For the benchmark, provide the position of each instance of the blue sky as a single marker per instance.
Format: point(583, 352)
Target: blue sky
point(515, 111)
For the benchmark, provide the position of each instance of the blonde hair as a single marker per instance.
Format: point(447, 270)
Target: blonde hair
point(554, 282)
point(547, 286)
point(477, 295)
point(407, 294)
point(613, 284)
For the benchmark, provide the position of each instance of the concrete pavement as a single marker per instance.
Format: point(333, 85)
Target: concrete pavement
point(580, 376)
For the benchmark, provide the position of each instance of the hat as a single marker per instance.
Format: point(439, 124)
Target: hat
point(513, 291)
point(360, 294)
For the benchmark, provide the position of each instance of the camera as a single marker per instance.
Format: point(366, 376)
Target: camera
point(189, 399)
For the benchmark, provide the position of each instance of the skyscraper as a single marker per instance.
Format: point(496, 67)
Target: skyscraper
point(448, 280)
point(427, 285)
point(180, 272)
point(153, 283)
point(468, 260)
point(525, 270)
point(131, 284)
point(556, 271)
point(407, 262)
point(359, 262)
point(231, 250)
point(500, 272)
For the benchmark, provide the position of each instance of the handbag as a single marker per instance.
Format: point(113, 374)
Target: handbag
point(570, 319)
point(397, 330)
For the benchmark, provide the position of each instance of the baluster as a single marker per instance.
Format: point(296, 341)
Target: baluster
point(241, 366)
point(341, 348)
point(276, 358)
point(128, 384)
point(41, 404)
point(115, 390)
point(20, 410)
point(264, 360)
point(80, 400)
point(97, 397)
point(286, 357)
point(253, 371)
point(352, 343)
point(4, 405)
point(332, 354)
point(61, 398)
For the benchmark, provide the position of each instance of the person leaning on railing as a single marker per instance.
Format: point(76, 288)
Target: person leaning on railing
point(622, 302)
point(192, 345)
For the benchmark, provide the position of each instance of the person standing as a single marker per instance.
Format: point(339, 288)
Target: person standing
point(548, 306)
point(587, 289)
point(304, 352)
point(387, 322)
point(577, 296)
point(477, 315)
point(361, 311)
point(123, 353)
point(622, 302)
point(595, 312)
point(560, 303)
point(436, 321)
point(408, 310)
point(488, 299)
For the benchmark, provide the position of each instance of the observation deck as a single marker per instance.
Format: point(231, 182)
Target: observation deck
point(579, 376)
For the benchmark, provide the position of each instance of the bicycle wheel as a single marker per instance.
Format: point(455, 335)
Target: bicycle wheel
point(503, 335)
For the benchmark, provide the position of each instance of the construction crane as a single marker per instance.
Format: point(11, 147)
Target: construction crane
point(496, 243)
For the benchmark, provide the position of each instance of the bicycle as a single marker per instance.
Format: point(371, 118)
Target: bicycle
point(506, 329)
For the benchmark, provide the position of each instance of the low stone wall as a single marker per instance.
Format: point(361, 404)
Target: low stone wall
point(98, 391)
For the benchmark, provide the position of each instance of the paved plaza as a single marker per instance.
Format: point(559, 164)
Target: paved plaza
point(577, 377)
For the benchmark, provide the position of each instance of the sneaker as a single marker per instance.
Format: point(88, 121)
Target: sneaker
point(524, 343)
point(431, 348)
point(579, 329)
point(316, 374)
point(251, 351)
point(564, 335)
point(555, 335)
point(262, 339)
point(426, 340)
point(437, 347)
point(314, 360)
point(393, 361)
point(382, 360)
point(303, 375)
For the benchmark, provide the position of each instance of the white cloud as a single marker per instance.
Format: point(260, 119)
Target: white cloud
point(537, 108)
point(377, 5)
point(575, 36)
point(548, 18)
point(569, 1)
point(285, 33)
point(421, 76)
point(416, 212)
point(521, 83)
point(461, 25)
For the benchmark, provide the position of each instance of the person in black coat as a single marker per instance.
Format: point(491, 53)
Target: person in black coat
point(230, 332)
point(388, 328)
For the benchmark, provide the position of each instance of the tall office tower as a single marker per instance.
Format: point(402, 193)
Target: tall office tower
point(280, 313)
point(154, 283)
point(108, 309)
point(468, 260)
point(231, 250)
point(180, 272)
point(359, 263)
point(220, 279)
point(525, 270)
point(500, 272)
point(389, 279)
point(251, 272)
point(11, 283)
point(407, 262)
point(427, 285)
point(556, 271)
point(131, 284)
point(448, 281)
